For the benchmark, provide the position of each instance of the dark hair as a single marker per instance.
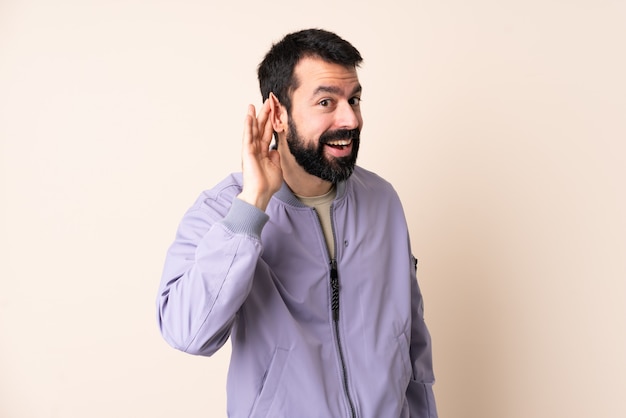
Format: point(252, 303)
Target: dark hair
point(276, 70)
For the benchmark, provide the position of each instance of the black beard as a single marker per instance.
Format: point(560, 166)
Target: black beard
point(311, 157)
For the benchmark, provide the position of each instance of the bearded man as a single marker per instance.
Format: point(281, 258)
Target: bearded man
point(303, 259)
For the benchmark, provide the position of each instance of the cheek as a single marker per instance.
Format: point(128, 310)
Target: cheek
point(315, 127)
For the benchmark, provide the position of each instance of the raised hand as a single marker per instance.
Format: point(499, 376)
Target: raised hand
point(262, 174)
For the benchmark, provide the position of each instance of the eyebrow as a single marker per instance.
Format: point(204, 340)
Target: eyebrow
point(336, 90)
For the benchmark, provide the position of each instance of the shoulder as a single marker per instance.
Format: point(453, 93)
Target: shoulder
point(219, 198)
point(368, 183)
point(373, 197)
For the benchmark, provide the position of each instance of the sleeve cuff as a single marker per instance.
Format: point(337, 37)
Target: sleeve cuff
point(244, 218)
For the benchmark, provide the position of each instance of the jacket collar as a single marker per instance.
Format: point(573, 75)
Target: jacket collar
point(286, 195)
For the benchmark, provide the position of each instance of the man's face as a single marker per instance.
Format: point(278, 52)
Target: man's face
point(325, 119)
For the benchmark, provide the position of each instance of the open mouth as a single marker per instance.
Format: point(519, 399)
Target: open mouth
point(339, 143)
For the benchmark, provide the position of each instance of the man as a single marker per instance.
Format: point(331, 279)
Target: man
point(303, 260)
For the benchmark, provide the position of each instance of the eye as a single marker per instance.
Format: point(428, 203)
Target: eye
point(355, 101)
point(324, 102)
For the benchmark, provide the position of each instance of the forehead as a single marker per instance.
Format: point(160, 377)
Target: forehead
point(312, 73)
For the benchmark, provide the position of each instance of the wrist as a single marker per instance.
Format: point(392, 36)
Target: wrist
point(255, 199)
point(243, 218)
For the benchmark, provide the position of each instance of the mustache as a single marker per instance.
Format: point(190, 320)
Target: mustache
point(353, 134)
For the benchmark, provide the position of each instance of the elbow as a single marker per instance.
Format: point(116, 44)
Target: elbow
point(179, 334)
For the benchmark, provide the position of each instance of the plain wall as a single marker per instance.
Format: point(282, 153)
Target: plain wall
point(502, 124)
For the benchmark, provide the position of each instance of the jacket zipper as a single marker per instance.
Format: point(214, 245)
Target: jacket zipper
point(334, 303)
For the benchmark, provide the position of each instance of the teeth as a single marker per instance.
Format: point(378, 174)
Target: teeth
point(340, 142)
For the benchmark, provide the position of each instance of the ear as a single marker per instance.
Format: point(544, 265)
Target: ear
point(278, 114)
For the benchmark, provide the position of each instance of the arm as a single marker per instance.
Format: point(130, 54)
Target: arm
point(419, 393)
point(209, 269)
point(207, 276)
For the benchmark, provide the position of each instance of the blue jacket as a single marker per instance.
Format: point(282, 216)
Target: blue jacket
point(311, 336)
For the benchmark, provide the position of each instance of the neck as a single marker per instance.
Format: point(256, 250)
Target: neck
point(305, 185)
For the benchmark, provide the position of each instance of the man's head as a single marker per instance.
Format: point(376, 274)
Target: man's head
point(313, 75)
point(276, 71)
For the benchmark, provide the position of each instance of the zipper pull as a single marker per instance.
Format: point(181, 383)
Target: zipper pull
point(334, 287)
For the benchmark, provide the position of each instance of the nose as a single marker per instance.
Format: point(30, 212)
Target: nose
point(347, 116)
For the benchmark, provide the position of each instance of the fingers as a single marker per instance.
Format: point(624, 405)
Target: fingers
point(256, 127)
point(264, 114)
point(265, 124)
point(250, 129)
point(268, 130)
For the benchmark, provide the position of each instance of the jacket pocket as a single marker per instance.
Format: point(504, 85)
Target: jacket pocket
point(271, 382)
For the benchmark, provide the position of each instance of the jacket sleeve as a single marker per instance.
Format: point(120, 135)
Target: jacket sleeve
point(420, 396)
point(208, 274)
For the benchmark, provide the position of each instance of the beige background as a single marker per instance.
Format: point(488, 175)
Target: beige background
point(501, 124)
